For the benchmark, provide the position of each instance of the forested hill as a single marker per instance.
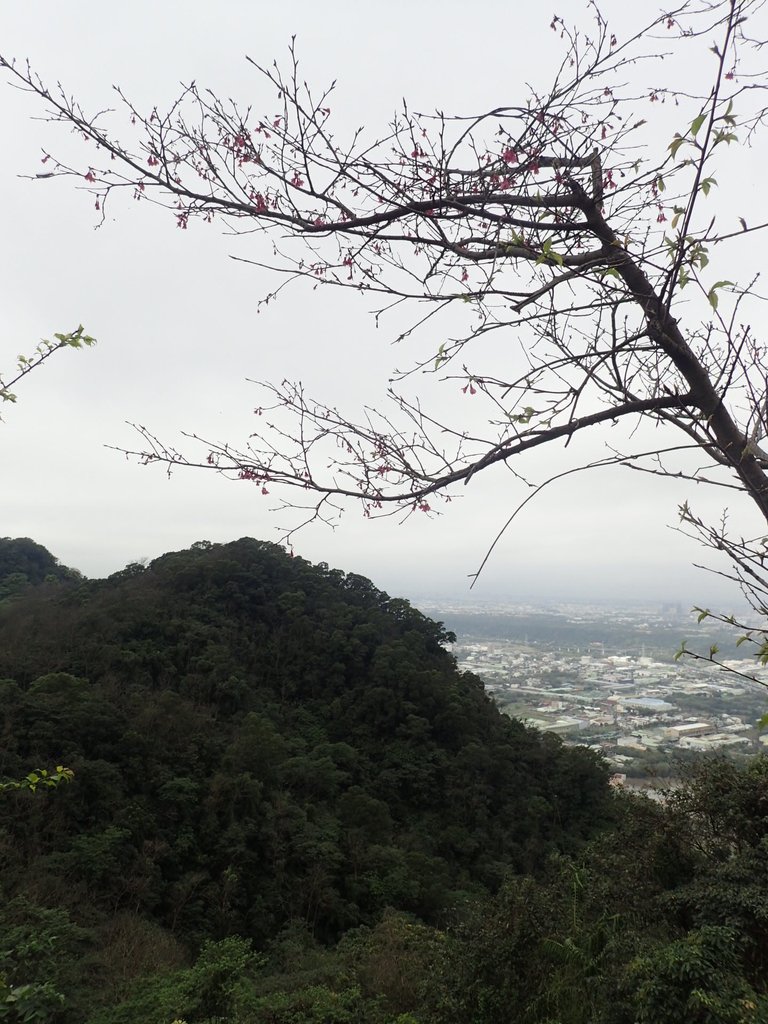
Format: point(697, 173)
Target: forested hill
point(22, 562)
point(257, 740)
point(289, 807)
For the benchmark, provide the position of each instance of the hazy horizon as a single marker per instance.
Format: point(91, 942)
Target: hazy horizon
point(563, 588)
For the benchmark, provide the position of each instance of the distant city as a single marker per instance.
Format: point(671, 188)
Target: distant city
point(606, 677)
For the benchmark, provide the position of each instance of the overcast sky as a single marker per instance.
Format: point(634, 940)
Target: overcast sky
point(179, 334)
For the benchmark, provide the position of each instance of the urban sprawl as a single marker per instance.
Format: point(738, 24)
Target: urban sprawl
point(613, 683)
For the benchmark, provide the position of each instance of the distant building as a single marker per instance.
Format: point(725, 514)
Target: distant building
point(653, 704)
point(567, 723)
point(713, 741)
point(690, 729)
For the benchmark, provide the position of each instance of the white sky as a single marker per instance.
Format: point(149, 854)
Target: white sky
point(178, 331)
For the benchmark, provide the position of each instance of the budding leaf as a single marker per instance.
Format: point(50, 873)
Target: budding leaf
point(712, 294)
point(726, 137)
point(547, 253)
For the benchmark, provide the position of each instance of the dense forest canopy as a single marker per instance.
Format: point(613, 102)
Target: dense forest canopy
point(290, 806)
point(24, 562)
point(258, 741)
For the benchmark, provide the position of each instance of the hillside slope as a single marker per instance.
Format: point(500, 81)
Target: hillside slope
point(259, 741)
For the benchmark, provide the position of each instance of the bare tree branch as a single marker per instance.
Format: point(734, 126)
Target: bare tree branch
point(575, 222)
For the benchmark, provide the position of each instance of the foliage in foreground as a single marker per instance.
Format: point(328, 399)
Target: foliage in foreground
point(662, 918)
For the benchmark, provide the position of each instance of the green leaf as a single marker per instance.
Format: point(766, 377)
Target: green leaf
point(712, 293)
point(76, 338)
point(707, 184)
point(697, 123)
point(675, 144)
point(703, 614)
point(515, 242)
point(728, 117)
point(763, 722)
point(726, 137)
point(547, 253)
